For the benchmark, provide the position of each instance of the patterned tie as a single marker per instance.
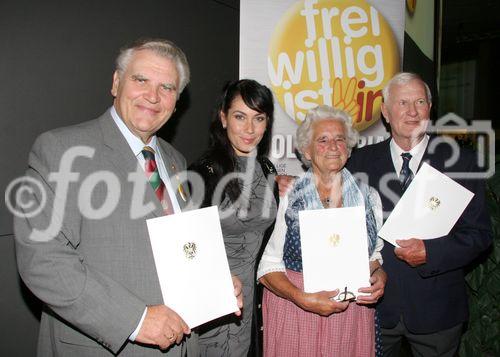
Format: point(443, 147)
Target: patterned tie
point(406, 175)
point(154, 179)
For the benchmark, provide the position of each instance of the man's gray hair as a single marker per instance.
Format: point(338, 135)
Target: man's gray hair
point(404, 78)
point(162, 48)
point(324, 112)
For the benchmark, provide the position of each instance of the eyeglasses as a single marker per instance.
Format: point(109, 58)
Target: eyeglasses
point(346, 296)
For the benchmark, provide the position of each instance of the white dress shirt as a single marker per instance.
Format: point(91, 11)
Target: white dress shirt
point(417, 152)
point(272, 258)
point(136, 145)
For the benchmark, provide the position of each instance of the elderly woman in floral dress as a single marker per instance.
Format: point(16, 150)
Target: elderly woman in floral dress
point(297, 323)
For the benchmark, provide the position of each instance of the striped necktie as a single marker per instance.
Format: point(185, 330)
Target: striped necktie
point(154, 179)
point(406, 175)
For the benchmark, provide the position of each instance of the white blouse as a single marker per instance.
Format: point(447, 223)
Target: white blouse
point(272, 259)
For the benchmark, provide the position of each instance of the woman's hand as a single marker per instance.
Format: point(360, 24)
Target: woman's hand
point(376, 290)
point(321, 303)
point(238, 292)
point(285, 183)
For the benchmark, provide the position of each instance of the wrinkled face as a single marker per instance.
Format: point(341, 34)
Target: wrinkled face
point(146, 93)
point(244, 126)
point(328, 148)
point(407, 112)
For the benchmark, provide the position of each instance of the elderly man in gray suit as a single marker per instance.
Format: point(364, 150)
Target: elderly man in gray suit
point(86, 253)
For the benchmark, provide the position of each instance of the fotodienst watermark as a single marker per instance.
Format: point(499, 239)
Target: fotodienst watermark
point(48, 195)
point(36, 194)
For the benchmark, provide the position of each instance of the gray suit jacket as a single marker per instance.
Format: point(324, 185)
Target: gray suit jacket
point(94, 274)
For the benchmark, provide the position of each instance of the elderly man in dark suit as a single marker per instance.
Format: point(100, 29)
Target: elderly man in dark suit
point(425, 298)
point(87, 254)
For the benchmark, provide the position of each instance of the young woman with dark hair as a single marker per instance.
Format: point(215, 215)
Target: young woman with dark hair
point(239, 180)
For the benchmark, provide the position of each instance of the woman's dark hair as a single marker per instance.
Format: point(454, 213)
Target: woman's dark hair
point(220, 152)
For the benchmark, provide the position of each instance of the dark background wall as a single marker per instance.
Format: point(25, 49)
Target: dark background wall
point(56, 63)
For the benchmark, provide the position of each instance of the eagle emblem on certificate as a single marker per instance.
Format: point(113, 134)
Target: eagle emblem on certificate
point(190, 250)
point(334, 239)
point(434, 203)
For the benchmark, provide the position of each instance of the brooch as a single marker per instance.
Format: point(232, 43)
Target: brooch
point(182, 193)
point(180, 189)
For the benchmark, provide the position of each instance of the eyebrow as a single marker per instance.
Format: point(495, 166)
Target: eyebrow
point(171, 85)
point(142, 77)
point(138, 76)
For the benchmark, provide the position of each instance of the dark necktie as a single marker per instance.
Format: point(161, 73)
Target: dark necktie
point(406, 175)
point(154, 179)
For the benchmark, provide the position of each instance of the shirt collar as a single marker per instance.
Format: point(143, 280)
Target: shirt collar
point(417, 151)
point(133, 141)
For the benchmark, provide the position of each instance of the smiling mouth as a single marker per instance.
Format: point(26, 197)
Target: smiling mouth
point(148, 110)
point(415, 121)
point(247, 141)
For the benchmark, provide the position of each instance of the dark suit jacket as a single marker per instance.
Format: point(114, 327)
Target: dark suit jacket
point(431, 297)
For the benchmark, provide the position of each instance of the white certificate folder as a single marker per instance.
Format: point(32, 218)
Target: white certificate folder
point(192, 266)
point(334, 249)
point(429, 208)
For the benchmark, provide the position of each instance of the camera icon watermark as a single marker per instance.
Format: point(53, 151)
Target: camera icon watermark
point(454, 131)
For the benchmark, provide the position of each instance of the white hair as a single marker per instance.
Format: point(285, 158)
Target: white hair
point(162, 48)
point(324, 112)
point(404, 78)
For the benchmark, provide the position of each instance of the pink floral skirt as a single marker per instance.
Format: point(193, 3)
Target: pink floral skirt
point(290, 331)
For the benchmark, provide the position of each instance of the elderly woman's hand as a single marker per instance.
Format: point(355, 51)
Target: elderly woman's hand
point(376, 290)
point(322, 303)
